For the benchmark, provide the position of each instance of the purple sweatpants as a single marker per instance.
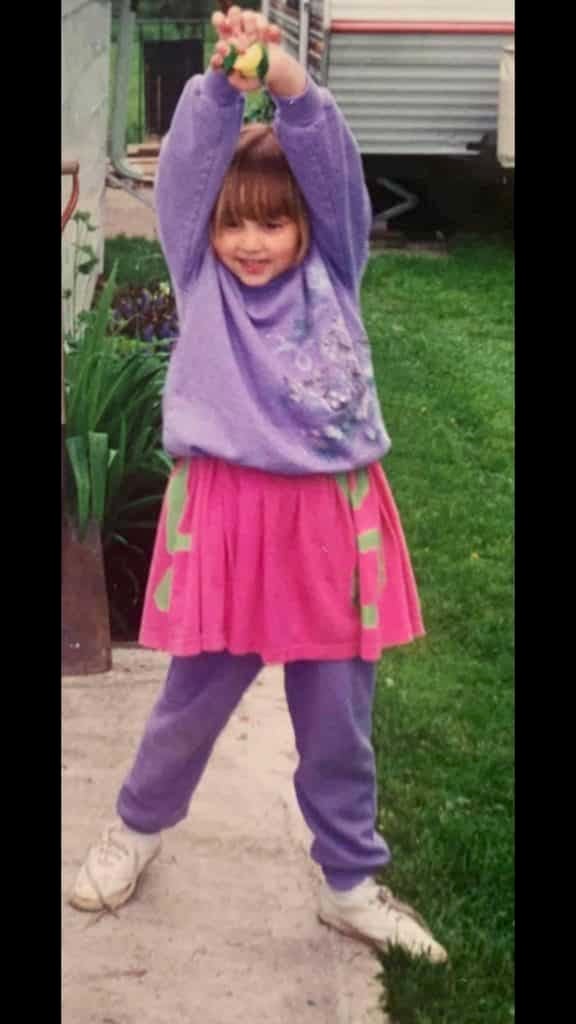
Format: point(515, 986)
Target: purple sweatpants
point(330, 703)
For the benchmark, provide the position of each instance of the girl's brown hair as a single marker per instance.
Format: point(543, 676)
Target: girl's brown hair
point(260, 186)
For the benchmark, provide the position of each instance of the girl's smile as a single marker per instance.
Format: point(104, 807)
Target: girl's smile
point(257, 253)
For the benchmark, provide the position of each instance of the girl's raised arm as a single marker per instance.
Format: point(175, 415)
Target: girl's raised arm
point(326, 162)
point(194, 158)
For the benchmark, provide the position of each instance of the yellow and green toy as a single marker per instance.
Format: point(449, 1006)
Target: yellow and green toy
point(252, 64)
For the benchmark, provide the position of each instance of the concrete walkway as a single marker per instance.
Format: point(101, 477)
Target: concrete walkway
point(223, 928)
point(124, 214)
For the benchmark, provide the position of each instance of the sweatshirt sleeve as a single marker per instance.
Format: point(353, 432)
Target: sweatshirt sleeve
point(194, 157)
point(326, 162)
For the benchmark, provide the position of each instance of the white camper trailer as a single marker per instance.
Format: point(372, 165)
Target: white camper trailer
point(412, 76)
point(418, 80)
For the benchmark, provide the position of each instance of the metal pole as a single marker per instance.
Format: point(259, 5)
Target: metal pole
point(69, 167)
point(121, 88)
point(140, 80)
point(304, 32)
point(410, 202)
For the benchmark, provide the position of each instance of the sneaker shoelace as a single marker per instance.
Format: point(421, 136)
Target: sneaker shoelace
point(109, 849)
point(386, 896)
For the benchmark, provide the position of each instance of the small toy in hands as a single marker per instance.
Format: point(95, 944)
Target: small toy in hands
point(251, 64)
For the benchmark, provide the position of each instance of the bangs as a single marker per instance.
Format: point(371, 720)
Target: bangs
point(259, 185)
point(261, 195)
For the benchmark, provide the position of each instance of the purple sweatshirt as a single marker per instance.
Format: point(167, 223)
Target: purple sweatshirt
point(279, 376)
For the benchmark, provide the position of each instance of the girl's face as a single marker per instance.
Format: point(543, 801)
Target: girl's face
point(257, 253)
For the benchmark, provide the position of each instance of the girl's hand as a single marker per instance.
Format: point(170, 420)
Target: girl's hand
point(241, 29)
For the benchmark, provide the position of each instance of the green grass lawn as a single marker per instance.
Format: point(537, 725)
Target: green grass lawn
point(139, 260)
point(441, 332)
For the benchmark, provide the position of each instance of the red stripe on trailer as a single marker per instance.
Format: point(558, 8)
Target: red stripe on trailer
point(460, 28)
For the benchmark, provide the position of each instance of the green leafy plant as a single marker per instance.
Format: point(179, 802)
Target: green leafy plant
point(85, 258)
point(113, 397)
point(115, 468)
point(148, 314)
point(259, 107)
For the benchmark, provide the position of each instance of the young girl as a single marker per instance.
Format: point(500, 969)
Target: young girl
point(279, 540)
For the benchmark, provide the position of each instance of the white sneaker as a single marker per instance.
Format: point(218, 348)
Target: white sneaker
point(110, 873)
point(370, 912)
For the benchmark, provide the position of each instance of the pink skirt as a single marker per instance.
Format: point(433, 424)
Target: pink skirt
point(307, 567)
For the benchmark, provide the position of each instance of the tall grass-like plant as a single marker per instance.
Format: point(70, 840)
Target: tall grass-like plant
point(115, 472)
point(113, 412)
